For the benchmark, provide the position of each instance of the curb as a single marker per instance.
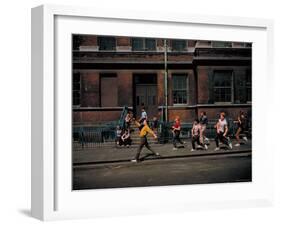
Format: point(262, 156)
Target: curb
point(200, 154)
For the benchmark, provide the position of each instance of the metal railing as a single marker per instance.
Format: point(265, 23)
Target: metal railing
point(121, 121)
point(105, 135)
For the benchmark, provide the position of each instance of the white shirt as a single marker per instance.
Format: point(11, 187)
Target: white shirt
point(221, 125)
point(143, 115)
point(196, 129)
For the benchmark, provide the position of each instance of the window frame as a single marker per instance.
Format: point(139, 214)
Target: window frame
point(177, 40)
point(248, 74)
point(144, 44)
point(104, 37)
point(217, 42)
point(186, 89)
point(221, 87)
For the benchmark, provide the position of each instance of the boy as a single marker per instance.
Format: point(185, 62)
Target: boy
point(176, 129)
point(144, 131)
point(203, 122)
point(195, 133)
point(143, 114)
point(221, 132)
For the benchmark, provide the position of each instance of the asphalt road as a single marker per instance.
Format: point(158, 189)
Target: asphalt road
point(177, 171)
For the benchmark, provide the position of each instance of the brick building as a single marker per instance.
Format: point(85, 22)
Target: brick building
point(112, 72)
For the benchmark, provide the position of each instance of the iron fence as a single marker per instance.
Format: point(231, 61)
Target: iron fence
point(105, 135)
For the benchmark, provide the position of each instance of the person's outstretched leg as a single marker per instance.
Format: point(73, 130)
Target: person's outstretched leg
point(237, 136)
point(178, 138)
point(217, 138)
point(174, 141)
point(193, 140)
point(142, 143)
point(149, 148)
point(226, 141)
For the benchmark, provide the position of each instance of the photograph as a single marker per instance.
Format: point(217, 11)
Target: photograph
point(160, 112)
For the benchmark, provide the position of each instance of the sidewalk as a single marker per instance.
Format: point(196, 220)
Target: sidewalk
point(122, 154)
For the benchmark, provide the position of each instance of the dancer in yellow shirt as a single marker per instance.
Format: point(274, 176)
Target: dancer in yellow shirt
point(144, 131)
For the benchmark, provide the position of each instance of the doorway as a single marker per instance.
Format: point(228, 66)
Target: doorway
point(145, 94)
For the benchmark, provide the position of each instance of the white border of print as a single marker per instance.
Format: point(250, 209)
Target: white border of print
point(52, 195)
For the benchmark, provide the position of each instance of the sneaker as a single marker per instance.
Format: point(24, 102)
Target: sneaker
point(245, 139)
point(199, 146)
point(134, 160)
point(217, 149)
point(206, 147)
point(192, 150)
point(175, 149)
point(237, 145)
point(230, 145)
point(157, 154)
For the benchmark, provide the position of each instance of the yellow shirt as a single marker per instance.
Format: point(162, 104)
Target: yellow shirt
point(145, 130)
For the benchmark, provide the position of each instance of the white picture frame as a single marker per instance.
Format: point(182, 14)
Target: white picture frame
point(52, 197)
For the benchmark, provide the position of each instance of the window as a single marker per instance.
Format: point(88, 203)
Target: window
point(143, 44)
point(107, 43)
point(180, 95)
point(108, 90)
point(76, 41)
point(76, 89)
point(249, 86)
point(222, 86)
point(219, 44)
point(178, 45)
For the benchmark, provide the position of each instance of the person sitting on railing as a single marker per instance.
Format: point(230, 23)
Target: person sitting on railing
point(195, 133)
point(128, 120)
point(221, 132)
point(126, 139)
point(144, 131)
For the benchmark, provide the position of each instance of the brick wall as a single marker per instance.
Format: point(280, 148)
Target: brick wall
point(186, 115)
point(125, 88)
point(90, 96)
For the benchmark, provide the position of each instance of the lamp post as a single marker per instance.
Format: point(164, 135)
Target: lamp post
point(166, 81)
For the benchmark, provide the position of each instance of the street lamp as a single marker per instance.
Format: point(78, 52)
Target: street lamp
point(166, 80)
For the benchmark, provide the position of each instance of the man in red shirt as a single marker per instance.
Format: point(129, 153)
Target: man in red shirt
point(176, 133)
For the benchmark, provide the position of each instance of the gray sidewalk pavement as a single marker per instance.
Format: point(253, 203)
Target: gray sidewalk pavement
point(98, 155)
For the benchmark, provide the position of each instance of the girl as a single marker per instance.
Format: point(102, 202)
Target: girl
point(241, 123)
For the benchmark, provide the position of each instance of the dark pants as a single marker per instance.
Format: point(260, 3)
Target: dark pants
point(176, 137)
point(143, 142)
point(197, 140)
point(223, 139)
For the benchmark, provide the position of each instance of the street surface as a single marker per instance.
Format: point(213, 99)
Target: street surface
point(180, 170)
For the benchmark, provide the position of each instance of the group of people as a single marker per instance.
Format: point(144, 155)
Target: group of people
point(197, 132)
point(123, 134)
point(199, 128)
